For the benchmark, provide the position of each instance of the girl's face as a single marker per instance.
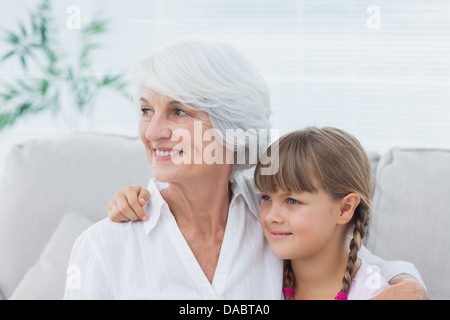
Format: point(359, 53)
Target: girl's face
point(299, 225)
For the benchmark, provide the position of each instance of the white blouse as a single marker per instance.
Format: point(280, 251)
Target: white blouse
point(152, 260)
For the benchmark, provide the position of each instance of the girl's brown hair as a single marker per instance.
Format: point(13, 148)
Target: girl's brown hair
point(326, 158)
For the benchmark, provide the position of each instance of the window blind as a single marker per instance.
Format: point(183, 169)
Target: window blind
point(382, 74)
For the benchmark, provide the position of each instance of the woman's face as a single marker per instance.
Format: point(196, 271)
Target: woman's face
point(173, 138)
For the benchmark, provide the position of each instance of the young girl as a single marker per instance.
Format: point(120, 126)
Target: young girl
point(321, 190)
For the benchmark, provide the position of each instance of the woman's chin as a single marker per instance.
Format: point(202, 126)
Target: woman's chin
point(163, 176)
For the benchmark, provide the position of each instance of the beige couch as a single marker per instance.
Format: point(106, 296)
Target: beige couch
point(52, 190)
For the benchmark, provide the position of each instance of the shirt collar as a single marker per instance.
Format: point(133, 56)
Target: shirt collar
point(241, 185)
point(156, 206)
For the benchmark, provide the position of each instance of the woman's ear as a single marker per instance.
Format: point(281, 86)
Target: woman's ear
point(347, 207)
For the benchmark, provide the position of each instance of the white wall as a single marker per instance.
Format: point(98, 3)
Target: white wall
point(325, 66)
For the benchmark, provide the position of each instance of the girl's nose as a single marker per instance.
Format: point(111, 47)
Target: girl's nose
point(274, 215)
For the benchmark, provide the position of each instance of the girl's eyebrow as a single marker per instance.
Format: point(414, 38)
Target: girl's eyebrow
point(290, 194)
point(287, 194)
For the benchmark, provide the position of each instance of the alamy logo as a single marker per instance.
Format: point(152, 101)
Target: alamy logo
point(373, 282)
point(74, 20)
point(373, 22)
point(242, 147)
point(73, 277)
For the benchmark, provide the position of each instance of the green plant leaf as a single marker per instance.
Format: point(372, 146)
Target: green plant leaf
point(12, 38)
point(54, 103)
point(43, 86)
point(96, 27)
point(23, 62)
point(70, 76)
point(35, 41)
point(13, 93)
point(23, 108)
point(85, 51)
point(8, 55)
point(7, 119)
point(23, 29)
point(109, 79)
point(43, 32)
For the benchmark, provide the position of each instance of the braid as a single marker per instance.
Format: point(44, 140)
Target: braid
point(288, 277)
point(359, 231)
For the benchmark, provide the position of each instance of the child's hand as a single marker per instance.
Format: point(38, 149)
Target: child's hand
point(127, 204)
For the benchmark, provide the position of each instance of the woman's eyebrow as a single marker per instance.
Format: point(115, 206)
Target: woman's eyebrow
point(174, 103)
point(143, 100)
point(171, 102)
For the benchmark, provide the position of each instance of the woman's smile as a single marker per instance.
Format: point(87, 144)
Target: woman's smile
point(165, 154)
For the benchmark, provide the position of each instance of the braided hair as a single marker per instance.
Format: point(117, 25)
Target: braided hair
point(361, 219)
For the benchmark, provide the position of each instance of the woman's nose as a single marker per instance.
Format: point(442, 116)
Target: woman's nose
point(158, 128)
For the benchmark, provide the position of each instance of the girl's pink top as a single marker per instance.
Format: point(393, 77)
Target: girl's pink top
point(367, 283)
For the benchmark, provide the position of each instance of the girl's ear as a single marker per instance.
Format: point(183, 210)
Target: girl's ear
point(347, 207)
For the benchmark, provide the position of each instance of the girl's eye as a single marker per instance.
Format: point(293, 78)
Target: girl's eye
point(293, 201)
point(180, 112)
point(265, 198)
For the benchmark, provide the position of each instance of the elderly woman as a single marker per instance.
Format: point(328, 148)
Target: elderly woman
point(202, 238)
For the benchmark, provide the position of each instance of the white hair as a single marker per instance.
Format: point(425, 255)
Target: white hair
point(210, 76)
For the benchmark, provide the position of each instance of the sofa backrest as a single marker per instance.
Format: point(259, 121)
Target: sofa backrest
point(43, 180)
point(411, 217)
point(49, 184)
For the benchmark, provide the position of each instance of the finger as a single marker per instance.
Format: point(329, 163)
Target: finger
point(120, 207)
point(144, 196)
point(111, 211)
point(136, 212)
point(114, 214)
point(120, 218)
point(126, 211)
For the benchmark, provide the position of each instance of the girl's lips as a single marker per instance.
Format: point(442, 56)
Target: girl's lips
point(278, 235)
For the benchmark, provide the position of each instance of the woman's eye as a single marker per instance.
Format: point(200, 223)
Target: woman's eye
point(146, 112)
point(180, 112)
point(293, 201)
point(265, 198)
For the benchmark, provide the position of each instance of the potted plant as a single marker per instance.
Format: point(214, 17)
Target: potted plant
point(49, 81)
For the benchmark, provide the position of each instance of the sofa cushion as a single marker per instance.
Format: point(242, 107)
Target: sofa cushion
point(44, 179)
point(46, 279)
point(410, 218)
